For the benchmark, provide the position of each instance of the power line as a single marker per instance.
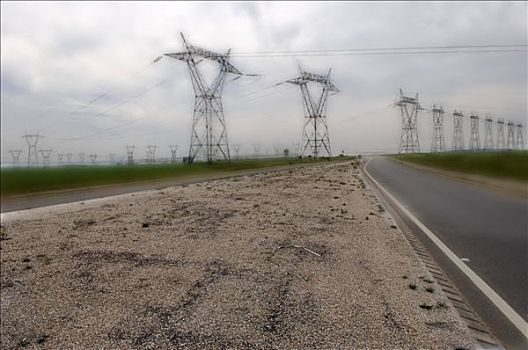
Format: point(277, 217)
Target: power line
point(108, 91)
point(384, 49)
point(346, 53)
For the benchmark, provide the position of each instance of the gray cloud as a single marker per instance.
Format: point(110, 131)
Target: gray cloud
point(56, 57)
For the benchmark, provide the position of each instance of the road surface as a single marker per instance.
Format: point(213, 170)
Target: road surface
point(487, 227)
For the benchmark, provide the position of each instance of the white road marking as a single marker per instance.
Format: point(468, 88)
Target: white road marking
point(493, 296)
point(465, 259)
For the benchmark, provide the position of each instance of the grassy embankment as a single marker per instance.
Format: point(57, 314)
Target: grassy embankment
point(508, 165)
point(16, 181)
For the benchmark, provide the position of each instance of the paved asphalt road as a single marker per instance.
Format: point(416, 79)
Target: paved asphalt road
point(489, 228)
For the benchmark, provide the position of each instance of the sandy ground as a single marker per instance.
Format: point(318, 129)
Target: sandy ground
point(297, 259)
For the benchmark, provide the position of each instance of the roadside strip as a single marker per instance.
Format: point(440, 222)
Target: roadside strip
point(495, 298)
point(69, 196)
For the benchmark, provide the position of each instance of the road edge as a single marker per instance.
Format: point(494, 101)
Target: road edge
point(399, 210)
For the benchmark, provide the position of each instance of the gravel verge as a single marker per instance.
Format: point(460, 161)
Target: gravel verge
point(295, 259)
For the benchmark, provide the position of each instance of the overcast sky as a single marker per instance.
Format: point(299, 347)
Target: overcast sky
point(56, 57)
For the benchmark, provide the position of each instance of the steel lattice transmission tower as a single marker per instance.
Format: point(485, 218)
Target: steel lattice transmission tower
point(458, 131)
point(500, 134)
point(81, 158)
point(93, 158)
point(69, 157)
point(60, 156)
point(315, 137)
point(32, 140)
point(130, 154)
point(256, 149)
point(519, 144)
point(511, 135)
point(474, 141)
point(45, 156)
point(438, 129)
point(173, 149)
point(15, 154)
point(236, 148)
point(488, 133)
point(409, 107)
point(209, 135)
point(151, 149)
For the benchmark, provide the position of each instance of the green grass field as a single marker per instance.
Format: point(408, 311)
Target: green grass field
point(510, 165)
point(15, 181)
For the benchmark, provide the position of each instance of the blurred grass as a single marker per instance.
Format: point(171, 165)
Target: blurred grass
point(15, 181)
point(508, 164)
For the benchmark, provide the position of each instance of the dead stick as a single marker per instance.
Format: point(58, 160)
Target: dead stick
point(308, 250)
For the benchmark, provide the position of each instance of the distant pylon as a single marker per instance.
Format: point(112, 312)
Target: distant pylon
point(32, 140)
point(209, 135)
point(69, 157)
point(458, 131)
point(438, 129)
point(256, 148)
point(277, 149)
point(519, 144)
point(45, 156)
point(315, 138)
point(296, 148)
point(15, 155)
point(173, 149)
point(151, 149)
point(409, 107)
point(81, 158)
point(60, 156)
point(500, 134)
point(511, 135)
point(474, 141)
point(236, 148)
point(488, 133)
point(93, 158)
point(130, 154)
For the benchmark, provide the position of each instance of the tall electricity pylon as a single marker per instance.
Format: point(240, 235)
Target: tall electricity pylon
point(474, 141)
point(277, 149)
point(409, 107)
point(315, 137)
point(500, 134)
point(209, 135)
point(60, 156)
point(458, 131)
point(519, 144)
point(130, 154)
point(488, 133)
point(151, 149)
point(32, 140)
point(15, 154)
point(511, 135)
point(45, 156)
point(93, 158)
point(438, 129)
point(173, 149)
point(256, 148)
point(236, 148)
point(81, 158)
point(69, 157)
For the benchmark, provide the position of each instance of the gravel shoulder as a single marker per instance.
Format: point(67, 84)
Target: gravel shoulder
point(293, 259)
